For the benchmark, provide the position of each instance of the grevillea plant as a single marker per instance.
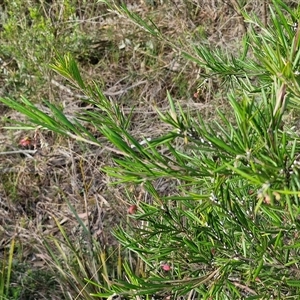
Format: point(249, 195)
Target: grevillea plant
point(226, 226)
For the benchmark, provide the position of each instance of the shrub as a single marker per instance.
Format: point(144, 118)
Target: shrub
point(220, 215)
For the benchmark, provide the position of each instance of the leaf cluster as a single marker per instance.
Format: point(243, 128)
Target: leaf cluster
point(227, 225)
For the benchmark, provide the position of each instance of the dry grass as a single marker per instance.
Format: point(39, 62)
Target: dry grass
point(133, 69)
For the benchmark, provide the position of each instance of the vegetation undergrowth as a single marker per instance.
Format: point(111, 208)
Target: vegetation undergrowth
point(33, 31)
point(218, 216)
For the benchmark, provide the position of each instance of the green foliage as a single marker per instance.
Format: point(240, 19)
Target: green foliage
point(20, 280)
point(6, 269)
point(26, 25)
point(226, 226)
point(32, 33)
